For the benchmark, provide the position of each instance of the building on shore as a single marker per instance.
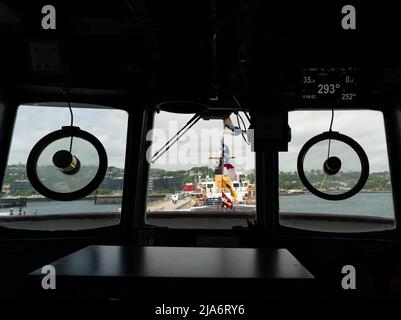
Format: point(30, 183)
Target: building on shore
point(20, 186)
point(169, 184)
point(115, 184)
point(6, 189)
point(150, 184)
point(188, 188)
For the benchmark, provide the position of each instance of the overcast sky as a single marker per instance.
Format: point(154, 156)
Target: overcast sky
point(203, 140)
point(364, 126)
point(33, 122)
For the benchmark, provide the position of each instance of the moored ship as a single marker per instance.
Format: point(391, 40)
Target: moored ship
point(229, 191)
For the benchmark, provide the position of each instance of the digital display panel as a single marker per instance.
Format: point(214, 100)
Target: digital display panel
point(329, 86)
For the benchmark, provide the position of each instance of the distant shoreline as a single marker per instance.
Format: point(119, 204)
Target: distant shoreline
point(375, 192)
point(35, 200)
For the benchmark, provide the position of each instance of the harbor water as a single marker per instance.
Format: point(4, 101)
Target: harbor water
point(370, 204)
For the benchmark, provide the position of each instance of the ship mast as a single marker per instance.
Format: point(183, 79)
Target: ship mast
point(219, 170)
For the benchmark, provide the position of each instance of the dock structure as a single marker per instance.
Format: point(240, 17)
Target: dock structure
point(108, 199)
point(13, 202)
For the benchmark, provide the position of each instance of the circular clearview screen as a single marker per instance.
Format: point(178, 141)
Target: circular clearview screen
point(59, 174)
point(342, 157)
point(56, 180)
point(333, 166)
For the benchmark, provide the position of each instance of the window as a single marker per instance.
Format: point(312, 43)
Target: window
point(22, 207)
point(369, 210)
point(206, 179)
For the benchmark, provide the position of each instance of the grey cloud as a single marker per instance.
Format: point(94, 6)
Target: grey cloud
point(364, 126)
point(110, 127)
point(34, 122)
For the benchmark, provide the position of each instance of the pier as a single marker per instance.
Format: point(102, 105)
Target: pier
point(115, 199)
point(13, 202)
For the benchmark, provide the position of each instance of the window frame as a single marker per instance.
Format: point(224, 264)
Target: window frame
point(142, 183)
point(8, 116)
point(391, 134)
point(267, 170)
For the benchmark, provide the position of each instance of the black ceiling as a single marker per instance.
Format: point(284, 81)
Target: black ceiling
point(195, 50)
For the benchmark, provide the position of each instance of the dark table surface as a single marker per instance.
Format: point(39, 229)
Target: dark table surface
point(180, 262)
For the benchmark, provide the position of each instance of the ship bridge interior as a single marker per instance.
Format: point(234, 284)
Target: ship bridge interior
point(219, 151)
